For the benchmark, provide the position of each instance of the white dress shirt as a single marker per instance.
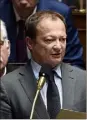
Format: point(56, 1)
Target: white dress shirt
point(36, 68)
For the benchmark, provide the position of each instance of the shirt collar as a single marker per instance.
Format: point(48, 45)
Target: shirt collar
point(18, 17)
point(36, 69)
point(58, 70)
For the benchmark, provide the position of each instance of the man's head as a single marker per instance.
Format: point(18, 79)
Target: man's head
point(46, 37)
point(24, 7)
point(4, 46)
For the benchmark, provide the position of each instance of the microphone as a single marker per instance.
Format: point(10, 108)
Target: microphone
point(43, 75)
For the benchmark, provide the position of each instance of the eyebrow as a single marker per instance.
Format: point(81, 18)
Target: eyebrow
point(65, 36)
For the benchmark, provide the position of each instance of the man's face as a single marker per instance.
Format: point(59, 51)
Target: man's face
point(50, 44)
point(4, 54)
point(4, 46)
point(24, 7)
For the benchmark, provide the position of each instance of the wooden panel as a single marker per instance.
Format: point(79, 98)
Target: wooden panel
point(79, 20)
point(82, 36)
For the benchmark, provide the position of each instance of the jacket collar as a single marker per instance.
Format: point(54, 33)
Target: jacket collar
point(68, 85)
point(29, 85)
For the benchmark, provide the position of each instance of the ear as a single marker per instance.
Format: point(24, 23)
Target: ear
point(29, 43)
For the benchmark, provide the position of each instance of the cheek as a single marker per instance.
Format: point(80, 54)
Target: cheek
point(32, 2)
point(16, 2)
point(46, 53)
point(43, 52)
point(4, 59)
point(63, 49)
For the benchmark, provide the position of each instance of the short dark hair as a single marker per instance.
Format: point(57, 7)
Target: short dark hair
point(32, 21)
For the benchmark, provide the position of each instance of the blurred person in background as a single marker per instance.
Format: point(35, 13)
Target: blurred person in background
point(14, 12)
point(4, 49)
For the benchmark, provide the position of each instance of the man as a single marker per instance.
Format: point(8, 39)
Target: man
point(11, 11)
point(5, 52)
point(4, 49)
point(47, 43)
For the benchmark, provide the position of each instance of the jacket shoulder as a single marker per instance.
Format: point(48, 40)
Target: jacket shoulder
point(12, 76)
point(54, 6)
point(77, 72)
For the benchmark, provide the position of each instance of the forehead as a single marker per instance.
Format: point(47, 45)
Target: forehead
point(23, 0)
point(51, 24)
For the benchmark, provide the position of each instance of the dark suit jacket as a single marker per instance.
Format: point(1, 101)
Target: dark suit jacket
point(74, 49)
point(18, 88)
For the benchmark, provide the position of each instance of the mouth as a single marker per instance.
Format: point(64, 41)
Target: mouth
point(56, 55)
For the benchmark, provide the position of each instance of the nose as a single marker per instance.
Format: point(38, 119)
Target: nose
point(23, 2)
point(57, 45)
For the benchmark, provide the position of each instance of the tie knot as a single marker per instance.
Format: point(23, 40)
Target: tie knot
point(51, 76)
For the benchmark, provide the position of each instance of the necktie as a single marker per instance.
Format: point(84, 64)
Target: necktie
point(53, 99)
point(20, 43)
point(21, 25)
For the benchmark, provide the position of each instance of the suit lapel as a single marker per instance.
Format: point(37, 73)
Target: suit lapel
point(29, 84)
point(68, 84)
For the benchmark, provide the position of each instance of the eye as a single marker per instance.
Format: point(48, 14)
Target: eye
point(49, 40)
point(62, 39)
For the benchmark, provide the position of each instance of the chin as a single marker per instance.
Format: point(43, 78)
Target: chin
point(55, 63)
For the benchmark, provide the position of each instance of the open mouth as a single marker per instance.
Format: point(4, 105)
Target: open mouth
point(56, 55)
